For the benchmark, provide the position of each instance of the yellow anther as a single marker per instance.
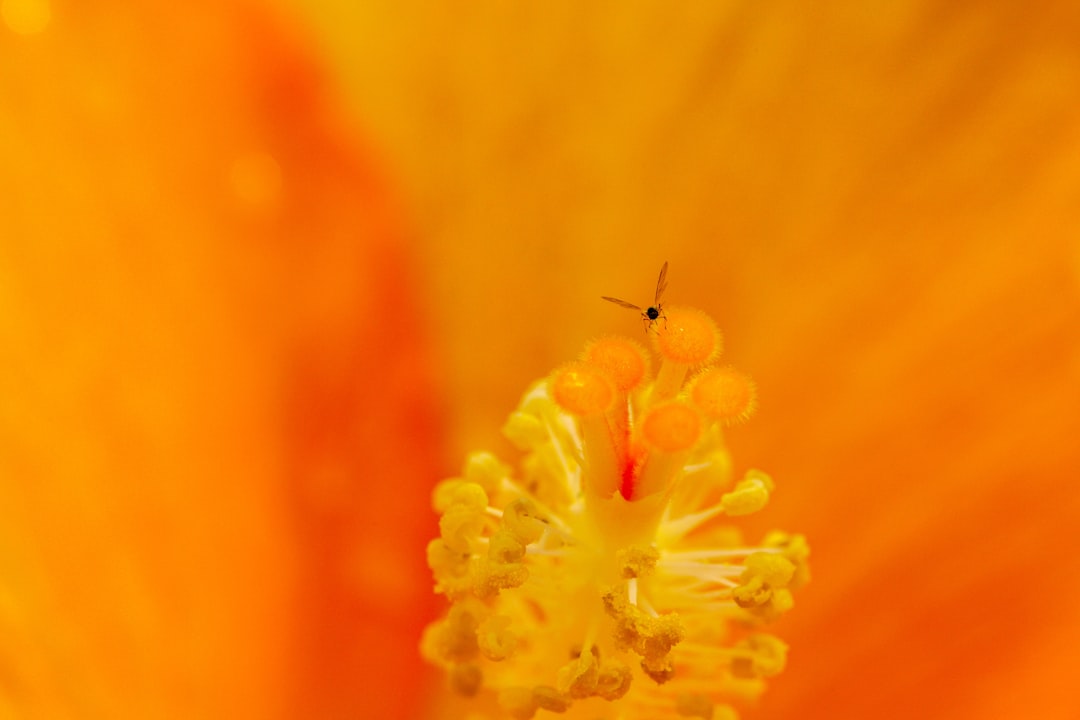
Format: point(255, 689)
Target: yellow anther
point(613, 681)
point(782, 601)
point(484, 469)
point(453, 639)
point(460, 527)
point(637, 561)
point(503, 547)
point(795, 549)
point(765, 656)
point(548, 698)
point(458, 493)
point(754, 475)
point(523, 521)
point(524, 430)
point(753, 593)
point(773, 569)
point(450, 567)
point(659, 670)
point(650, 637)
point(578, 677)
point(442, 559)
point(491, 577)
point(779, 602)
point(494, 638)
point(749, 495)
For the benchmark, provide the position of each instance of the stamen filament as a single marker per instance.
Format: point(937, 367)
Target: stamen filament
point(674, 530)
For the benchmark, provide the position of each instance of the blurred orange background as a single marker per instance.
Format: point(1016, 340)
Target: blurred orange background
point(268, 270)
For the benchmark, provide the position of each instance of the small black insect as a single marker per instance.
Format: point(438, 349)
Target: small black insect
point(655, 311)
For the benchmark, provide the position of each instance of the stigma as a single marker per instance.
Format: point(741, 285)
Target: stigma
point(606, 575)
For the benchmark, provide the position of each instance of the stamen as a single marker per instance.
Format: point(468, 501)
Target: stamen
point(556, 523)
point(749, 496)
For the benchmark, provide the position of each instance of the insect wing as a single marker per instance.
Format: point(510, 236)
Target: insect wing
point(661, 284)
point(621, 303)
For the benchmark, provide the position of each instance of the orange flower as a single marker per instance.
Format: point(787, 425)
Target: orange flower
point(877, 204)
point(216, 448)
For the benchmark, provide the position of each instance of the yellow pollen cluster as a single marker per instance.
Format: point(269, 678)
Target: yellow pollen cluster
point(600, 579)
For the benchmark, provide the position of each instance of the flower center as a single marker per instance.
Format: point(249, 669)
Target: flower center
point(601, 577)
